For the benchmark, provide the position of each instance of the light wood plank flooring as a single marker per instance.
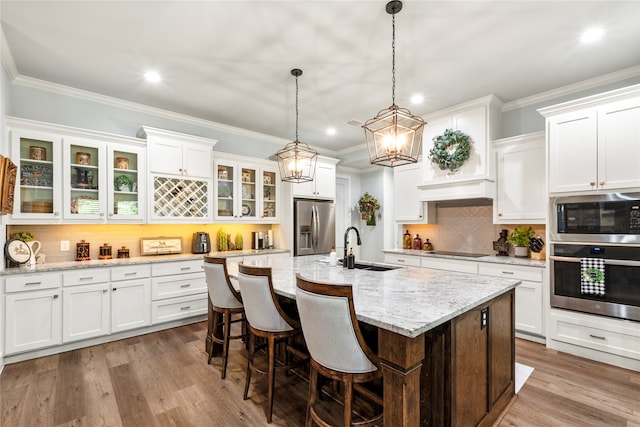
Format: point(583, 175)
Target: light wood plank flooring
point(162, 379)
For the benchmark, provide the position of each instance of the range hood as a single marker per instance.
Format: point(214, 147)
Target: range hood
point(463, 203)
point(476, 192)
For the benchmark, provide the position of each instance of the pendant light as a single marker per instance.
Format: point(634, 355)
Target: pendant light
point(297, 161)
point(394, 135)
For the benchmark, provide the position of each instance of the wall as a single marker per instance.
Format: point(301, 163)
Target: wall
point(4, 150)
point(372, 236)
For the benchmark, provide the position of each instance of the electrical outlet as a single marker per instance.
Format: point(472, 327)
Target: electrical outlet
point(64, 245)
point(484, 317)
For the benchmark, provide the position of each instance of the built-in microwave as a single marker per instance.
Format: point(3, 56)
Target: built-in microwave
point(602, 218)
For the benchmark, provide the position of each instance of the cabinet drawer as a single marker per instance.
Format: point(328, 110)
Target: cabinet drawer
point(532, 274)
point(130, 272)
point(171, 286)
point(412, 261)
point(178, 308)
point(450, 265)
point(85, 276)
point(622, 341)
point(172, 268)
point(32, 282)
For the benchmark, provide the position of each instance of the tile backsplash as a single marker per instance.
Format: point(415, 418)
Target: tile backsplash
point(464, 229)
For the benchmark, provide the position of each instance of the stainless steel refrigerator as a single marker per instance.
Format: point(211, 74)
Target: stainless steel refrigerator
point(315, 227)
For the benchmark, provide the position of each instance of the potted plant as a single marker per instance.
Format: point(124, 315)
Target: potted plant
point(368, 205)
point(25, 236)
point(519, 238)
point(123, 183)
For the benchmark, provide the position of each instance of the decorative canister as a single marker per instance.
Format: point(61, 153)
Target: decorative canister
point(82, 251)
point(83, 158)
point(123, 252)
point(122, 163)
point(417, 242)
point(427, 246)
point(406, 240)
point(37, 153)
point(105, 251)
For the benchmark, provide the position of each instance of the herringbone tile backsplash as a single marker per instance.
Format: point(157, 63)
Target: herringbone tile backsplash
point(464, 229)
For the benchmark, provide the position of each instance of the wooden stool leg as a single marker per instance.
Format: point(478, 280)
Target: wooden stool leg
point(214, 327)
point(313, 393)
point(252, 340)
point(225, 345)
point(348, 398)
point(271, 350)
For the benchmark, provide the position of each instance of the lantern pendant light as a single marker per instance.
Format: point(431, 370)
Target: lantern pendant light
point(297, 161)
point(394, 135)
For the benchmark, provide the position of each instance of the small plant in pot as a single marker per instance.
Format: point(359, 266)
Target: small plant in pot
point(123, 183)
point(519, 238)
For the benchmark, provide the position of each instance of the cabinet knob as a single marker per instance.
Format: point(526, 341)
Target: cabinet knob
point(499, 213)
point(55, 296)
point(592, 183)
point(56, 214)
point(114, 289)
point(101, 214)
point(104, 291)
point(601, 183)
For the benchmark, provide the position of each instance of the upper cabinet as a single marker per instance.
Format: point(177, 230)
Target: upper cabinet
point(323, 185)
point(594, 143)
point(180, 176)
point(480, 121)
point(521, 195)
point(408, 205)
point(73, 175)
point(178, 154)
point(246, 189)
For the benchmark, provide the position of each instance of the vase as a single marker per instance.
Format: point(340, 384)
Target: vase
point(371, 220)
point(521, 251)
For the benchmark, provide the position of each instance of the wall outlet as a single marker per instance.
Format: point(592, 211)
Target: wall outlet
point(64, 245)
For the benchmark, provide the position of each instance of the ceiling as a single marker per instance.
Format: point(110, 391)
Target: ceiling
point(230, 61)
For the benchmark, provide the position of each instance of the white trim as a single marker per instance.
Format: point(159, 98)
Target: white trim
point(593, 100)
point(352, 149)
point(140, 108)
point(6, 57)
point(573, 88)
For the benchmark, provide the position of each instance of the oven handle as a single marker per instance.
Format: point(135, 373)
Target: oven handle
point(629, 263)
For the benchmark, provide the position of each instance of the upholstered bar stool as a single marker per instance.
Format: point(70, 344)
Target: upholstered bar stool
point(337, 348)
point(226, 303)
point(267, 320)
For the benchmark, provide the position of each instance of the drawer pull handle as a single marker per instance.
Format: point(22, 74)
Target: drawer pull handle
point(114, 289)
point(55, 296)
point(186, 285)
point(597, 337)
point(86, 278)
point(133, 273)
point(185, 268)
point(400, 260)
point(32, 283)
point(507, 272)
point(185, 308)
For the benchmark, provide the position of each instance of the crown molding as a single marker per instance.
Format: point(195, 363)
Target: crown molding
point(6, 57)
point(140, 108)
point(573, 88)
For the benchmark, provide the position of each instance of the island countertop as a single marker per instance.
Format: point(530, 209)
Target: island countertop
point(407, 300)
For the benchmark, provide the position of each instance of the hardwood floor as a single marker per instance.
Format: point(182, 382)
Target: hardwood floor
point(162, 379)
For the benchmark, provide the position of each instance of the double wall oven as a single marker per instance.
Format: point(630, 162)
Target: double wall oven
point(601, 232)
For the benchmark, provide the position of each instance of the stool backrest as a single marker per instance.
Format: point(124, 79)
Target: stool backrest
point(221, 292)
point(330, 327)
point(260, 303)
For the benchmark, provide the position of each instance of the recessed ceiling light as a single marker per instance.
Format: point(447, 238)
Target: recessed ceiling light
point(417, 99)
point(152, 77)
point(591, 35)
point(331, 131)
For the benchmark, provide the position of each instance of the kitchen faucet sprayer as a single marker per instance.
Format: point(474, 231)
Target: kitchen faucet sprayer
point(346, 243)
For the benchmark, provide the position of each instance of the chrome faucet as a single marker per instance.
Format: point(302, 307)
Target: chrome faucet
point(346, 242)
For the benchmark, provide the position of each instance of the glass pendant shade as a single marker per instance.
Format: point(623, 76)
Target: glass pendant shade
point(297, 161)
point(394, 137)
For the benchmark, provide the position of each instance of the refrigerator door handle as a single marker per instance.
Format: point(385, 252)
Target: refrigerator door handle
point(315, 225)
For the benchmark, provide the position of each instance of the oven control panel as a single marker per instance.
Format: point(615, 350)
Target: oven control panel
point(634, 218)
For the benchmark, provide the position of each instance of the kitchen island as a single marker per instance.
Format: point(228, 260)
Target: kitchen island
point(445, 340)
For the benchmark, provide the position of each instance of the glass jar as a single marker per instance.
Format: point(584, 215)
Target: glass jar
point(406, 240)
point(417, 242)
point(427, 246)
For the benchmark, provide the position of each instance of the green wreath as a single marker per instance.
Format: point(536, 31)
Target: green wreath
point(441, 153)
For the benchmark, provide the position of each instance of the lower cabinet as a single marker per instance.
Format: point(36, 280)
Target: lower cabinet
point(178, 291)
point(33, 312)
point(408, 260)
point(449, 264)
point(86, 311)
point(130, 297)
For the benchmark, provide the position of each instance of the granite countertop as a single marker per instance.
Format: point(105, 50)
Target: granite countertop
point(115, 262)
point(407, 300)
point(487, 258)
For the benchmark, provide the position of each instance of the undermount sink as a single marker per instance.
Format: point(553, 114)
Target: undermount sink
point(369, 267)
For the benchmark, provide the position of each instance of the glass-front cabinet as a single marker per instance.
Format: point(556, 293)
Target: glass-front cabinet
point(245, 191)
point(84, 180)
point(125, 178)
point(38, 192)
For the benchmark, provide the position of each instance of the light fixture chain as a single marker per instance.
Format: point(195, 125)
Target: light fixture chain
point(296, 109)
point(393, 60)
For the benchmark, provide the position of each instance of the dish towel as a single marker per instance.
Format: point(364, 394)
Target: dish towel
point(592, 276)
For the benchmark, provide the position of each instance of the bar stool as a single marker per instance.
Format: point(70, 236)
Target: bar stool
point(226, 303)
point(267, 320)
point(337, 348)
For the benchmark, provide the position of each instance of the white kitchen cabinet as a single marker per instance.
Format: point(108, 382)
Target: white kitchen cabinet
point(33, 312)
point(398, 259)
point(85, 180)
point(409, 208)
point(176, 153)
point(521, 194)
point(449, 264)
point(130, 297)
point(178, 291)
point(480, 120)
point(246, 190)
point(529, 295)
point(594, 143)
point(126, 203)
point(323, 185)
point(86, 311)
